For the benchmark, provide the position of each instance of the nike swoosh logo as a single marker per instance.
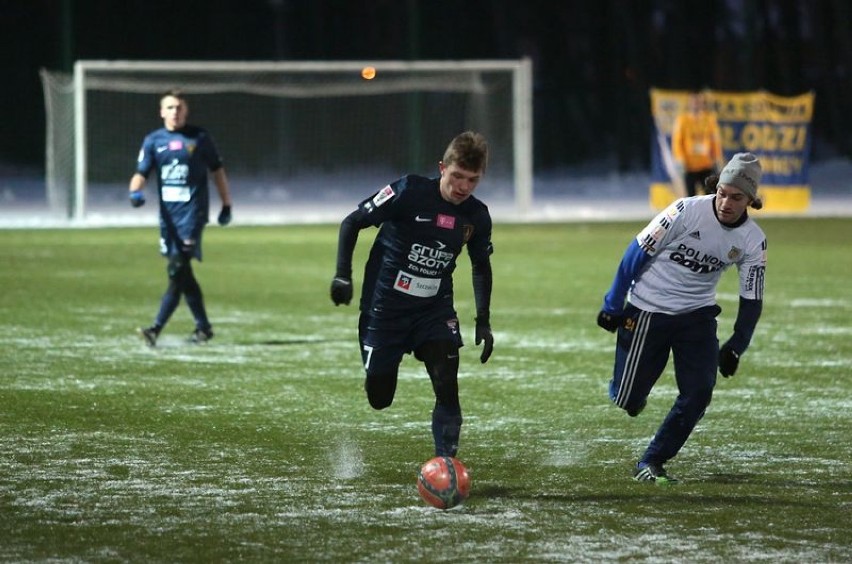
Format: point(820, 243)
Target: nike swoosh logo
point(422, 219)
point(161, 149)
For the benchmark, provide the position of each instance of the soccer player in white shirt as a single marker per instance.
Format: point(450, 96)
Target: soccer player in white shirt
point(663, 299)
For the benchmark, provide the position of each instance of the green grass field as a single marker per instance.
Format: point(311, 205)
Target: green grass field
point(260, 446)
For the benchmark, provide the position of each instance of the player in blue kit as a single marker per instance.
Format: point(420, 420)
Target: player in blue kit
point(181, 155)
point(668, 277)
point(407, 294)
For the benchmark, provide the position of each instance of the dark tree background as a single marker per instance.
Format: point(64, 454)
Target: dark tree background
point(594, 60)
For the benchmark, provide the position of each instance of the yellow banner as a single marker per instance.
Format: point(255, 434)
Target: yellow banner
point(776, 128)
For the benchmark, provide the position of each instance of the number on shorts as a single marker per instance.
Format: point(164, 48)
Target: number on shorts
point(369, 354)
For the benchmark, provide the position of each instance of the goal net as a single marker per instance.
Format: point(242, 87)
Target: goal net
point(300, 140)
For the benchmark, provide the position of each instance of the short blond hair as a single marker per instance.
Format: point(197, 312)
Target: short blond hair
point(174, 93)
point(468, 150)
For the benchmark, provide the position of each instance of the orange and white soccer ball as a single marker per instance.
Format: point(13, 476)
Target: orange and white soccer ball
point(443, 482)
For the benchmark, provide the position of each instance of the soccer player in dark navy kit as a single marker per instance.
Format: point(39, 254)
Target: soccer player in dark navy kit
point(407, 295)
point(668, 275)
point(180, 155)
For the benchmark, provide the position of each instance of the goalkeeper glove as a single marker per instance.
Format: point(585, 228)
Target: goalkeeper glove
point(483, 334)
point(341, 290)
point(729, 360)
point(137, 198)
point(225, 216)
point(610, 321)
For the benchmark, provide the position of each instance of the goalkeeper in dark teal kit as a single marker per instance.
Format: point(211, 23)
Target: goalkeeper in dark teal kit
point(180, 155)
point(407, 294)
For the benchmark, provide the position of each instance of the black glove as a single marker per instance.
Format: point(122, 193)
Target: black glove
point(341, 290)
point(729, 360)
point(610, 321)
point(225, 216)
point(137, 198)
point(483, 333)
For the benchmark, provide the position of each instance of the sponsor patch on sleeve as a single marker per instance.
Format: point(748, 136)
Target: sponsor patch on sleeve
point(649, 238)
point(383, 196)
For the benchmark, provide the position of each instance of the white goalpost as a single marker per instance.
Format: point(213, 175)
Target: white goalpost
point(294, 135)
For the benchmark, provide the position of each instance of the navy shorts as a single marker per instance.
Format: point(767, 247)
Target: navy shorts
point(385, 341)
point(170, 246)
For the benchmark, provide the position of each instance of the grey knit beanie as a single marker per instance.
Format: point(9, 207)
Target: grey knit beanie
point(742, 171)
